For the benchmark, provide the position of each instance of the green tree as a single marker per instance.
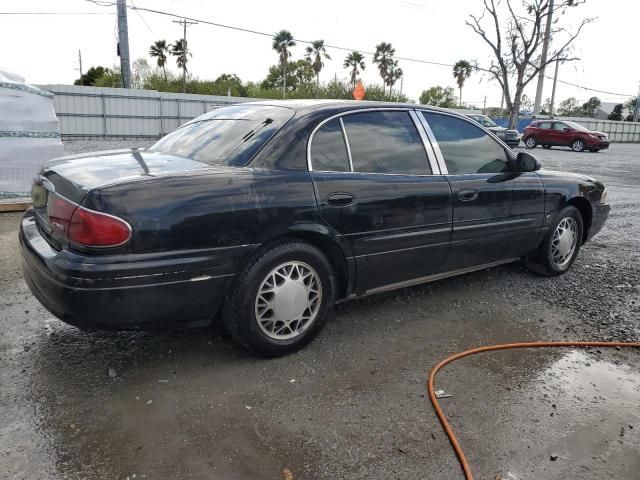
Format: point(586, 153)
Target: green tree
point(355, 63)
point(300, 73)
point(314, 55)
point(546, 107)
point(110, 78)
point(383, 57)
point(617, 113)
point(590, 107)
point(461, 71)
point(438, 97)
point(89, 78)
point(181, 52)
point(569, 107)
point(160, 50)
point(282, 42)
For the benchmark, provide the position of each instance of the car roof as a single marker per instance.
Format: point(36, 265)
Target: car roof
point(307, 105)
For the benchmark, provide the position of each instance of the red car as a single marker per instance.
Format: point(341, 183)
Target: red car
point(550, 133)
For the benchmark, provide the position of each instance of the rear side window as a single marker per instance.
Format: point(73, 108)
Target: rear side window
point(328, 150)
point(385, 142)
point(465, 147)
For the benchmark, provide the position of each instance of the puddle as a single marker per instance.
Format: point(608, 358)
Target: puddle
point(584, 408)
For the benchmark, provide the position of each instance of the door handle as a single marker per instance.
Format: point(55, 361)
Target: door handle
point(467, 194)
point(341, 199)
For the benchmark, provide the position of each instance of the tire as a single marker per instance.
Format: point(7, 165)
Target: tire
point(577, 145)
point(252, 313)
point(530, 142)
point(554, 256)
point(546, 146)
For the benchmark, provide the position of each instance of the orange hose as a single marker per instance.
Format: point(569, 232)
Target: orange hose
point(490, 348)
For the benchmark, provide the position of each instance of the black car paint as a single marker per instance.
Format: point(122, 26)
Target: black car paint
point(196, 225)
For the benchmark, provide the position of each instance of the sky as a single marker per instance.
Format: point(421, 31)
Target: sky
point(45, 47)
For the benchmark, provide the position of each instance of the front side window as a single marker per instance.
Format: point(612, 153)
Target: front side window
point(385, 142)
point(328, 150)
point(465, 147)
point(559, 126)
point(225, 136)
point(544, 125)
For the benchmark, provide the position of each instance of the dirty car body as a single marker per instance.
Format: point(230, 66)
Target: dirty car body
point(345, 199)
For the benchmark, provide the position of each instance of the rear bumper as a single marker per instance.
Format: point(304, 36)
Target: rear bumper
point(600, 215)
point(126, 292)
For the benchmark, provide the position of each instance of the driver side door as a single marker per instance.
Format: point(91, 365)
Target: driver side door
point(497, 212)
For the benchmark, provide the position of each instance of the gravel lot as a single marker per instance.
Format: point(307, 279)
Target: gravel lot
point(192, 405)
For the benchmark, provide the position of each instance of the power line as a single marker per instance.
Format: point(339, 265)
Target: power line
point(104, 3)
point(56, 13)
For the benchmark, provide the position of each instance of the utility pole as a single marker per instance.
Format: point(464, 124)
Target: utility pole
point(553, 92)
point(123, 43)
point(543, 60)
point(184, 22)
point(80, 61)
point(484, 105)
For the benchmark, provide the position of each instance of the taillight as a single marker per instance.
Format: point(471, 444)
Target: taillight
point(95, 229)
point(59, 211)
point(84, 227)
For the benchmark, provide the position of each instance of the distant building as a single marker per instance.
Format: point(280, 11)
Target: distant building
point(607, 107)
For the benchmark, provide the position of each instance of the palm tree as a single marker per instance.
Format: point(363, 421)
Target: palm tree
point(461, 71)
point(160, 49)
point(384, 58)
point(182, 54)
point(354, 61)
point(395, 74)
point(317, 51)
point(282, 42)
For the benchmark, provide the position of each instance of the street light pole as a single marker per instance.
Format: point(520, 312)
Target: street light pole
point(543, 60)
point(123, 43)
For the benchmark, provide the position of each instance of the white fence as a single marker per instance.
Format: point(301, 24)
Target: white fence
point(127, 113)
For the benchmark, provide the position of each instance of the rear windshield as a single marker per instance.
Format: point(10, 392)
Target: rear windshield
point(225, 136)
point(483, 120)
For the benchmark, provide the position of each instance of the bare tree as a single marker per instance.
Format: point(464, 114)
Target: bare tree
point(516, 36)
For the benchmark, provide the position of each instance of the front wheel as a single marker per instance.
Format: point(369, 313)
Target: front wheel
point(530, 142)
point(560, 247)
point(281, 300)
point(577, 145)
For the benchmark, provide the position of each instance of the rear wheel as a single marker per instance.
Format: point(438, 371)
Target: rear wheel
point(546, 146)
point(530, 142)
point(577, 145)
point(281, 300)
point(560, 247)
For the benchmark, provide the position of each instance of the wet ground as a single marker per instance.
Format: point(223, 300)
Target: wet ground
point(192, 405)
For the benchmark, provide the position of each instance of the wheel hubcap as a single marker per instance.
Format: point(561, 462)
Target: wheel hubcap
point(288, 300)
point(564, 242)
point(578, 145)
point(530, 142)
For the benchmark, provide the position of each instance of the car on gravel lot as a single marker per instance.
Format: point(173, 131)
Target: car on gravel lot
point(550, 133)
point(508, 136)
point(268, 213)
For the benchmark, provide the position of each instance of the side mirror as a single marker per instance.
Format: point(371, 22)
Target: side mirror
point(525, 162)
point(567, 129)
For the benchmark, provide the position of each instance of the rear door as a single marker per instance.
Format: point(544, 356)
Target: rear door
point(497, 214)
point(376, 185)
point(545, 133)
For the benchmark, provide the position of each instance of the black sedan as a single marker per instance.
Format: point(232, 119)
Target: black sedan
point(268, 213)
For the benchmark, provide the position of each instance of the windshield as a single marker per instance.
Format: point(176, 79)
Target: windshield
point(577, 126)
point(227, 135)
point(484, 120)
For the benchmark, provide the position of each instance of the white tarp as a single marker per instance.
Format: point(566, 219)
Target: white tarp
point(29, 133)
